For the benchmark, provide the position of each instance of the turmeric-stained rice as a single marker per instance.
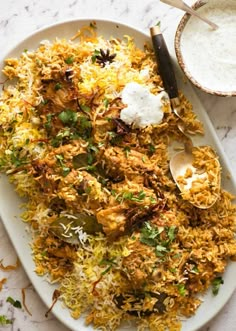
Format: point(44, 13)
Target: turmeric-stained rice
point(147, 253)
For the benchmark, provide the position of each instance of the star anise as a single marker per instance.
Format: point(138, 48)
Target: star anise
point(105, 57)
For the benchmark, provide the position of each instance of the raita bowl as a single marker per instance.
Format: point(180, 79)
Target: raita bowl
point(206, 56)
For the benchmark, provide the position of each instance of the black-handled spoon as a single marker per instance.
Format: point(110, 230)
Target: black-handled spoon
point(164, 62)
point(183, 161)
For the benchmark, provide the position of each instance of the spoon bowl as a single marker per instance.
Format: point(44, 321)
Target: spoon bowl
point(200, 187)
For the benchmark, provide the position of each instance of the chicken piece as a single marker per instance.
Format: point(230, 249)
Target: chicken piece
point(66, 252)
point(47, 171)
point(65, 97)
point(80, 187)
point(44, 174)
point(135, 162)
point(113, 220)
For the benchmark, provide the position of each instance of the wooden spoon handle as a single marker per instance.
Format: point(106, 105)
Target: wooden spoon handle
point(164, 62)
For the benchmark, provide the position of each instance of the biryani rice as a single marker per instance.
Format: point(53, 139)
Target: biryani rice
point(156, 252)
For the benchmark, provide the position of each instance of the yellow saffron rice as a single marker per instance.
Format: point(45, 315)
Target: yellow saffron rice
point(148, 252)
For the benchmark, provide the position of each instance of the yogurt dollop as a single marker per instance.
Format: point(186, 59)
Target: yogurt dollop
point(143, 108)
point(210, 55)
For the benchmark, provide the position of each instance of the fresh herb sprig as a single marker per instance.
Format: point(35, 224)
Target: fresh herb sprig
point(68, 117)
point(181, 289)
point(15, 303)
point(65, 170)
point(4, 320)
point(216, 283)
point(107, 262)
point(136, 197)
point(158, 237)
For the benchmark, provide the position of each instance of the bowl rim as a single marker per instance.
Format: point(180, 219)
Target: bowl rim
point(180, 58)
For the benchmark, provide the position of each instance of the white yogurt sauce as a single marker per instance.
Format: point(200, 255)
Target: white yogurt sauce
point(210, 55)
point(143, 108)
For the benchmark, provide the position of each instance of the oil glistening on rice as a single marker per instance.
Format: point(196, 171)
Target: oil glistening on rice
point(109, 224)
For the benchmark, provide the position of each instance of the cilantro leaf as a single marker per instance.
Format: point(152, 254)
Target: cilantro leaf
point(65, 171)
point(69, 60)
point(58, 86)
point(148, 241)
point(2, 163)
point(171, 233)
point(4, 320)
point(94, 55)
point(15, 303)
point(159, 250)
point(181, 289)
point(152, 236)
point(216, 285)
point(106, 103)
point(151, 149)
point(68, 117)
point(85, 108)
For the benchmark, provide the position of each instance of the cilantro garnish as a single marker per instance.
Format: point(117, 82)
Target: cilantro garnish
point(94, 56)
point(4, 320)
point(15, 303)
point(2, 163)
point(150, 235)
point(181, 289)
point(171, 233)
point(126, 151)
point(106, 102)
point(158, 237)
point(137, 197)
point(109, 262)
point(58, 86)
point(85, 108)
point(16, 160)
point(81, 129)
point(115, 138)
point(60, 137)
point(69, 60)
point(151, 148)
point(65, 170)
point(160, 250)
point(92, 148)
point(68, 117)
point(216, 285)
point(48, 124)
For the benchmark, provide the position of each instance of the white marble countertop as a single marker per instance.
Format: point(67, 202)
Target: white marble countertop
point(18, 19)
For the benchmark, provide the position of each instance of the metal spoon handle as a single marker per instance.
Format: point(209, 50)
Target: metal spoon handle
point(164, 62)
point(182, 5)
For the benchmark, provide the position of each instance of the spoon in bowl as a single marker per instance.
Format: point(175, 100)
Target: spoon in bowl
point(183, 6)
point(196, 170)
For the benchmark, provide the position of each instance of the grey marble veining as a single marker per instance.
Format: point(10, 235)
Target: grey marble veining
point(18, 19)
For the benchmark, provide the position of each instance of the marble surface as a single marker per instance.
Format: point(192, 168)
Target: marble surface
point(18, 19)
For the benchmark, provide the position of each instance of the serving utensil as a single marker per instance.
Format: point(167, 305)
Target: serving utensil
point(183, 6)
point(182, 162)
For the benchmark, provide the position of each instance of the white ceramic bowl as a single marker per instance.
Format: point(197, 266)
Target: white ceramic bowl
point(207, 56)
